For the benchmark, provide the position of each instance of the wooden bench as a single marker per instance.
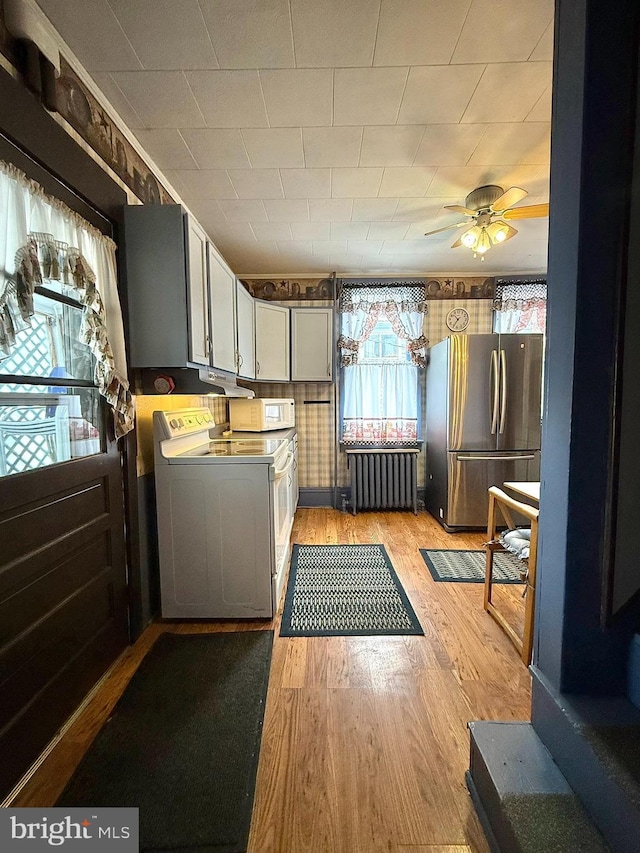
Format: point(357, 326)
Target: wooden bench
point(502, 504)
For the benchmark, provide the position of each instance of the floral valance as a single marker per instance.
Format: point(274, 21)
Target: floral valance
point(61, 247)
point(360, 308)
point(514, 294)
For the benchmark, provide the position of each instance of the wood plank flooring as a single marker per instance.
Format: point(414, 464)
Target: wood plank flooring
point(365, 740)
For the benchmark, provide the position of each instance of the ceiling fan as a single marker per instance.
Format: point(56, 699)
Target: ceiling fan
point(489, 208)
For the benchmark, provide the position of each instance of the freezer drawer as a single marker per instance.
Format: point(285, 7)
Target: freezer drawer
point(471, 474)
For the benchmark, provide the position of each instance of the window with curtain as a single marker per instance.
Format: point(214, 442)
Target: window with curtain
point(382, 350)
point(61, 337)
point(520, 307)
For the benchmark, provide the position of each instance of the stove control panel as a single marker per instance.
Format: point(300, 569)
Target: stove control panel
point(184, 421)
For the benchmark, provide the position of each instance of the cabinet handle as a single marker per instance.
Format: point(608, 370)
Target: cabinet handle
point(257, 367)
point(240, 361)
point(329, 370)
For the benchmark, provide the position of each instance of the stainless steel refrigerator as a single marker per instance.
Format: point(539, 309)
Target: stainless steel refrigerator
point(482, 422)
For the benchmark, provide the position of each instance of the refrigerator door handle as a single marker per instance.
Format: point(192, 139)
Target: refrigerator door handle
point(494, 458)
point(493, 378)
point(503, 390)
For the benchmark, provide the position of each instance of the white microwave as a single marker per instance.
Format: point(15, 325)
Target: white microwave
point(258, 414)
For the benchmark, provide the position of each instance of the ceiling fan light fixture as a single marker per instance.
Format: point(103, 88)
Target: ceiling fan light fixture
point(470, 237)
point(498, 231)
point(484, 242)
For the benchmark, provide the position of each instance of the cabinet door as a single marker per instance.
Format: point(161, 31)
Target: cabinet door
point(223, 313)
point(312, 344)
point(272, 341)
point(246, 329)
point(199, 341)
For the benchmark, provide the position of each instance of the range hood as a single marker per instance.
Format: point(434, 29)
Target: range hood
point(194, 379)
point(223, 383)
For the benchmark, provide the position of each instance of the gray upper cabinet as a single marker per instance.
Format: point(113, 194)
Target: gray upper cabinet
point(246, 331)
point(222, 301)
point(311, 344)
point(157, 277)
point(181, 294)
point(197, 284)
point(272, 342)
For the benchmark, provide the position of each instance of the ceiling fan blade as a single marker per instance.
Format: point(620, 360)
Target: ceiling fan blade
point(446, 228)
point(458, 208)
point(529, 211)
point(512, 196)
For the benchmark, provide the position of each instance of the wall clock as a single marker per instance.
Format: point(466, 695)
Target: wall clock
point(458, 319)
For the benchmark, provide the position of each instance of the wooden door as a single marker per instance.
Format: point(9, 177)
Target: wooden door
point(63, 601)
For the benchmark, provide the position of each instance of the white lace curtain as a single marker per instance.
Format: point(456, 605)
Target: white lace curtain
point(520, 306)
point(41, 237)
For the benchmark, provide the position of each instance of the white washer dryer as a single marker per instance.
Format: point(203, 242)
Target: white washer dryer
point(224, 519)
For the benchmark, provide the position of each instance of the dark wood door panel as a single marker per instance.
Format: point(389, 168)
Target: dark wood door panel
point(63, 598)
point(32, 729)
point(32, 663)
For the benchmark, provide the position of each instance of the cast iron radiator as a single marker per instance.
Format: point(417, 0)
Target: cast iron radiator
point(384, 479)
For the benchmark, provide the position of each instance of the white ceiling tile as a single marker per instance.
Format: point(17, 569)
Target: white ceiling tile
point(287, 210)
point(508, 91)
point(118, 100)
point(299, 248)
point(256, 183)
point(349, 230)
point(306, 183)
point(541, 110)
point(310, 230)
point(334, 33)
point(415, 209)
point(401, 247)
point(544, 49)
point(355, 183)
point(274, 148)
point(111, 50)
point(458, 181)
point(206, 183)
point(250, 33)
point(387, 230)
point(298, 97)
point(372, 209)
point(231, 232)
point(438, 94)
point(217, 149)
point(439, 219)
point(229, 98)
point(166, 34)
point(368, 96)
point(207, 212)
point(498, 32)
point(330, 209)
point(412, 32)
point(406, 182)
point(167, 148)
point(333, 247)
point(390, 146)
point(448, 144)
point(364, 247)
point(243, 210)
point(160, 98)
point(272, 230)
point(522, 142)
point(332, 146)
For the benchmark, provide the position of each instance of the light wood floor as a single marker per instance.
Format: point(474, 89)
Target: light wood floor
point(365, 744)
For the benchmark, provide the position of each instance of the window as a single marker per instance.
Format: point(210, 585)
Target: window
point(44, 422)
point(382, 352)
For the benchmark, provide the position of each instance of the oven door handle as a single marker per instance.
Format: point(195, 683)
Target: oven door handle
point(280, 472)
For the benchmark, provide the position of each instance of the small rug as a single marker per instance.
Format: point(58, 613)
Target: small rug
point(345, 590)
point(183, 741)
point(468, 566)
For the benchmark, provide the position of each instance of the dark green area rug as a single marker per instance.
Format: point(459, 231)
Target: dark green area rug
point(345, 590)
point(182, 744)
point(469, 566)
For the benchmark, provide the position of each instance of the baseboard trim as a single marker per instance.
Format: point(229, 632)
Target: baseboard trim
point(318, 497)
